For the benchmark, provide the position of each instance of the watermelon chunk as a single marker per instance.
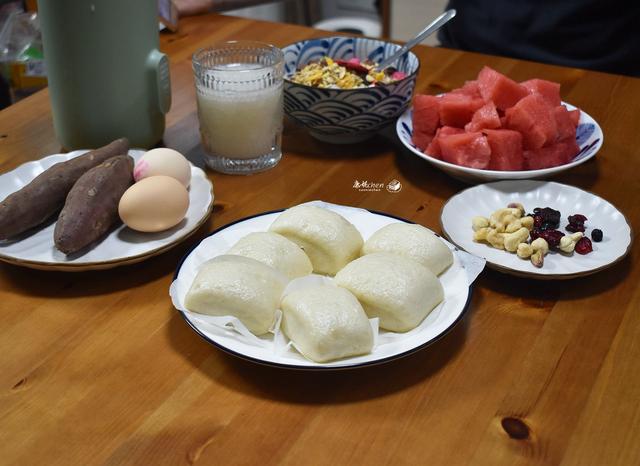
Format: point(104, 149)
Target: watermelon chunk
point(564, 122)
point(548, 90)
point(426, 116)
point(470, 88)
point(458, 109)
point(506, 149)
point(485, 117)
point(535, 120)
point(467, 149)
point(575, 116)
point(499, 89)
point(421, 140)
point(556, 154)
point(434, 148)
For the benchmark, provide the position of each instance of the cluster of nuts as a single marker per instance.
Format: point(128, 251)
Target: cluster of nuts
point(531, 236)
point(509, 229)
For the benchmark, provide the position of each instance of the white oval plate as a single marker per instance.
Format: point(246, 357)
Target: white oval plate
point(390, 345)
point(121, 246)
point(486, 198)
point(589, 137)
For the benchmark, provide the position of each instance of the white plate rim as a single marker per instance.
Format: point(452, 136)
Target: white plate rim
point(496, 175)
point(111, 263)
point(463, 312)
point(534, 274)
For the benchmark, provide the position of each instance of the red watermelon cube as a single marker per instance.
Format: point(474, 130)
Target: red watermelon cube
point(467, 149)
point(564, 122)
point(548, 90)
point(556, 154)
point(485, 117)
point(458, 109)
point(506, 149)
point(426, 116)
point(499, 89)
point(470, 88)
point(421, 140)
point(535, 120)
point(434, 148)
point(575, 116)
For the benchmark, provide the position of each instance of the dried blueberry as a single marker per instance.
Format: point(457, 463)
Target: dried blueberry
point(596, 235)
point(583, 246)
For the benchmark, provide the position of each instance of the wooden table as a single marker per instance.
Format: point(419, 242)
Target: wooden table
point(98, 368)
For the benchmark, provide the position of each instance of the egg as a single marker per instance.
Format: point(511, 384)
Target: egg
point(154, 204)
point(163, 161)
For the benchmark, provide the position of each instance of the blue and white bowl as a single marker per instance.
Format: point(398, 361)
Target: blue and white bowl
point(346, 115)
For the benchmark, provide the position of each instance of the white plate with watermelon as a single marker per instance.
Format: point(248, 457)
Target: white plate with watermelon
point(493, 128)
point(483, 199)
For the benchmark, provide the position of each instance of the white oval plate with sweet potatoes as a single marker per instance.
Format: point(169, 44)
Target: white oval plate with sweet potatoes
point(35, 249)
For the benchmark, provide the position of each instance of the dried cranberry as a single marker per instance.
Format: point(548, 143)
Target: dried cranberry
point(552, 237)
point(537, 221)
point(583, 246)
point(549, 216)
point(574, 227)
point(596, 235)
point(577, 218)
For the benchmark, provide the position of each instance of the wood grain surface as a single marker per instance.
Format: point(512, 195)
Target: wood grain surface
point(97, 368)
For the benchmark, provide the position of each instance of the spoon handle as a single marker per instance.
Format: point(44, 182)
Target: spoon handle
point(430, 29)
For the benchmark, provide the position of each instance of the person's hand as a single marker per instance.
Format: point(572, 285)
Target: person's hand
point(193, 7)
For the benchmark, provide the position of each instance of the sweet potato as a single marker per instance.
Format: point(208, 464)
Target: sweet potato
point(91, 208)
point(44, 196)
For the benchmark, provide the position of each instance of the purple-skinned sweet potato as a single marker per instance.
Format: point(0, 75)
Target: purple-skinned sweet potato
point(91, 208)
point(45, 195)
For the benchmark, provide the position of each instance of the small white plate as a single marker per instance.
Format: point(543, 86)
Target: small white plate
point(486, 198)
point(588, 136)
point(121, 246)
point(455, 281)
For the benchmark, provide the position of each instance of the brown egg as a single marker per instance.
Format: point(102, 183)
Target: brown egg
point(153, 204)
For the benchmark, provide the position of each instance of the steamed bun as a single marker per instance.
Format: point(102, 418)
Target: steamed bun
point(238, 286)
point(400, 291)
point(326, 323)
point(274, 250)
point(412, 241)
point(330, 241)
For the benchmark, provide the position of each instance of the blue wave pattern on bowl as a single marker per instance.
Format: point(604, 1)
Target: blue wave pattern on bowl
point(584, 131)
point(332, 112)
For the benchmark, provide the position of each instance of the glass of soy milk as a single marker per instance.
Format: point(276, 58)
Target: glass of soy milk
point(240, 110)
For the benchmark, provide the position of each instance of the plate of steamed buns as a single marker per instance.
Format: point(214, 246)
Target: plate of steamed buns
point(323, 286)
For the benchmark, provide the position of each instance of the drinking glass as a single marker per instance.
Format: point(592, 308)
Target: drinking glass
point(240, 110)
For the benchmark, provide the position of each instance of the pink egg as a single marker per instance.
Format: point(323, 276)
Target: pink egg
point(163, 161)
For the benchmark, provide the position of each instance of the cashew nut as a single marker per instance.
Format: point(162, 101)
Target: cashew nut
point(525, 250)
point(512, 240)
point(540, 244)
point(568, 242)
point(479, 222)
point(495, 239)
point(481, 234)
point(500, 215)
point(537, 258)
point(535, 251)
point(527, 222)
point(517, 205)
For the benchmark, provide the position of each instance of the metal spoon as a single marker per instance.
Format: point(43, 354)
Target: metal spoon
point(436, 24)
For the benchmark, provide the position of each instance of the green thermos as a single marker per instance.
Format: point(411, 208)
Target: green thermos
point(107, 78)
